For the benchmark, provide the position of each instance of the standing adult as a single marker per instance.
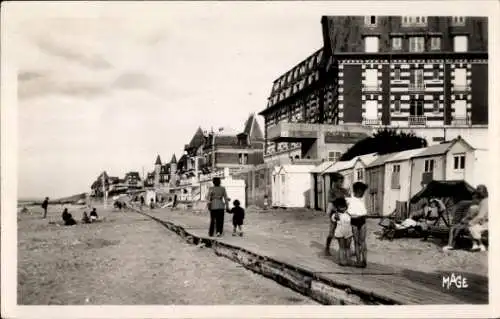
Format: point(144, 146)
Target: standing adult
point(45, 206)
point(217, 202)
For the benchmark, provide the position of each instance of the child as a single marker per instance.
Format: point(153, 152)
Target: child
point(357, 211)
point(343, 230)
point(93, 215)
point(238, 217)
point(336, 191)
point(85, 218)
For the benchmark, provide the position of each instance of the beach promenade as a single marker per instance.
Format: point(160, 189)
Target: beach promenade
point(288, 247)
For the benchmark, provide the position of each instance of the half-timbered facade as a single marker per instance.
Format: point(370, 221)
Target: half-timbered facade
point(408, 72)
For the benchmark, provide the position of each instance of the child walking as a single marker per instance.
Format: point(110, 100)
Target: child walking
point(343, 231)
point(357, 211)
point(238, 217)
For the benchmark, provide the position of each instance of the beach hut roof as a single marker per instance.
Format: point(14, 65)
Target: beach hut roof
point(290, 168)
point(367, 158)
point(380, 160)
point(322, 166)
point(405, 155)
point(440, 149)
point(340, 166)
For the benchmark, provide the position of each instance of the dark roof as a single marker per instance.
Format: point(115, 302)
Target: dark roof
point(252, 128)
point(173, 160)
point(226, 140)
point(158, 160)
point(133, 174)
point(198, 139)
point(301, 76)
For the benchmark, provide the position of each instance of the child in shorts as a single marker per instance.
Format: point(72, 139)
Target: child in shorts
point(238, 217)
point(336, 191)
point(343, 231)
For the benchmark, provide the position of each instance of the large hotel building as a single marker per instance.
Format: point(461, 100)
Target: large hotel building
point(419, 73)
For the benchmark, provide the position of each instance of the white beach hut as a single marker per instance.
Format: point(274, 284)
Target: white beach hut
point(293, 186)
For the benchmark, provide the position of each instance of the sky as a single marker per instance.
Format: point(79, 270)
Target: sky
point(111, 91)
point(109, 86)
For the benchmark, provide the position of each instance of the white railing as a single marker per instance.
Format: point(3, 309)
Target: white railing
point(461, 88)
point(416, 87)
point(462, 120)
point(372, 88)
point(414, 120)
point(372, 121)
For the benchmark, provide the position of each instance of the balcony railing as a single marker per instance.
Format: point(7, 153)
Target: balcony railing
point(372, 122)
point(416, 87)
point(372, 88)
point(461, 88)
point(417, 120)
point(461, 121)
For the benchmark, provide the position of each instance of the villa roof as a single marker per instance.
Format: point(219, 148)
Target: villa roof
point(158, 160)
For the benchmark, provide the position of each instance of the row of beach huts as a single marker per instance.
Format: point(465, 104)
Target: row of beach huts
point(392, 179)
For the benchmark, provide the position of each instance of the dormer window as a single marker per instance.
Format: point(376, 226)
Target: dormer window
point(413, 21)
point(371, 21)
point(457, 21)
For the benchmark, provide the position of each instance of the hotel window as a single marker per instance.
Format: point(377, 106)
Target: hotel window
point(460, 78)
point(397, 43)
point(460, 43)
point(371, 110)
point(435, 106)
point(334, 156)
point(371, 76)
point(460, 109)
point(457, 21)
point(429, 166)
point(417, 79)
point(371, 21)
point(435, 74)
point(410, 21)
point(417, 44)
point(397, 74)
point(371, 44)
point(459, 162)
point(397, 106)
point(416, 107)
point(435, 43)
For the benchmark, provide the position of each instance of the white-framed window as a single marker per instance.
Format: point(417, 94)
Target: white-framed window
point(460, 109)
point(461, 78)
point(397, 74)
point(459, 162)
point(334, 156)
point(457, 21)
point(460, 43)
point(359, 174)
point(417, 79)
point(429, 166)
point(371, 78)
point(410, 21)
point(435, 74)
point(397, 43)
point(371, 21)
point(397, 106)
point(417, 44)
point(435, 43)
point(243, 159)
point(371, 44)
point(371, 110)
point(435, 106)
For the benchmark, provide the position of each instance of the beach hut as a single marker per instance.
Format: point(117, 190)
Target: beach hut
point(318, 185)
point(293, 187)
point(374, 178)
point(397, 181)
point(360, 164)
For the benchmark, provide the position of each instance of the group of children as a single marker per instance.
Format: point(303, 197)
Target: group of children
point(70, 221)
point(347, 221)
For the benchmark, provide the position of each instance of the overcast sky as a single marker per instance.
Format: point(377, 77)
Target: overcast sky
point(108, 86)
point(101, 93)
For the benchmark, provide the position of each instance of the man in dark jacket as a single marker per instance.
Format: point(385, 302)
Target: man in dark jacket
point(45, 205)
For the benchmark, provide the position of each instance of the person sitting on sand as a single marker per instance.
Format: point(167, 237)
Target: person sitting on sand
point(85, 218)
point(93, 215)
point(68, 218)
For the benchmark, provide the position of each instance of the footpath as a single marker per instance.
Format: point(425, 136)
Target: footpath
point(299, 262)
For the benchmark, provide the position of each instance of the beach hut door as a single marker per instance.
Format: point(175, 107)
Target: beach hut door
point(282, 190)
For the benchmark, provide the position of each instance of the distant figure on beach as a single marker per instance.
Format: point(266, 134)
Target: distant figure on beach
point(45, 206)
point(143, 202)
point(93, 215)
point(266, 202)
point(217, 202)
point(238, 217)
point(175, 201)
point(85, 218)
point(152, 204)
point(68, 218)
